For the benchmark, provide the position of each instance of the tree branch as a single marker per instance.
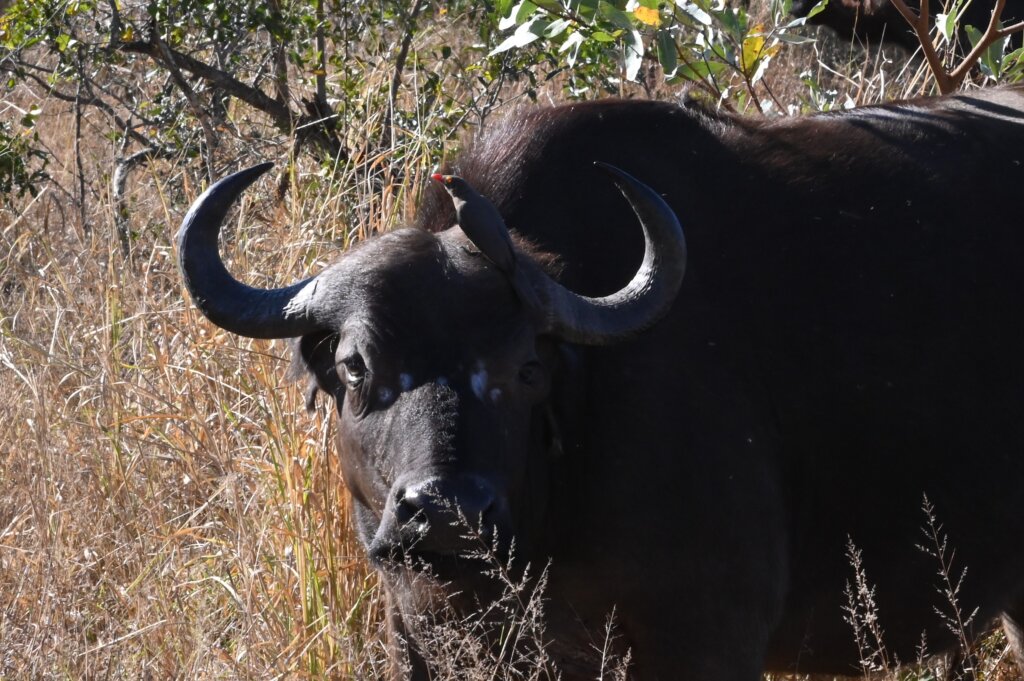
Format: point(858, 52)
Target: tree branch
point(279, 55)
point(193, 101)
point(316, 126)
point(254, 97)
point(118, 183)
point(949, 81)
point(992, 34)
point(403, 54)
point(86, 101)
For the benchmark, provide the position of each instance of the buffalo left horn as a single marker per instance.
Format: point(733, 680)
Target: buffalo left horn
point(256, 313)
point(647, 296)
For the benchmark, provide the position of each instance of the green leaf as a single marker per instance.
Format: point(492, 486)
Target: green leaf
point(694, 11)
point(572, 46)
point(551, 6)
point(973, 34)
point(64, 41)
point(668, 57)
point(734, 22)
point(556, 28)
point(586, 9)
point(793, 38)
point(616, 16)
point(817, 9)
point(694, 71)
point(1013, 65)
point(782, 8)
point(992, 57)
point(700, 70)
point(524, 35)
point(502, 7)
point(634, 55)
point(517, 15)
point(946, 23)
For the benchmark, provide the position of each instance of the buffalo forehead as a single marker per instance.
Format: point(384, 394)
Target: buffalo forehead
point(436, 293)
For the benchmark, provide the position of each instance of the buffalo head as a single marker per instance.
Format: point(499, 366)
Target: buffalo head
point(440, 363)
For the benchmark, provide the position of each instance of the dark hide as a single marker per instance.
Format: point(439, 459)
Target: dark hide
point(872, 21)
point(848, 338)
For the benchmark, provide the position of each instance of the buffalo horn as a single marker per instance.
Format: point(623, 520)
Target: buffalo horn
point(257, 313)
point(641, 302)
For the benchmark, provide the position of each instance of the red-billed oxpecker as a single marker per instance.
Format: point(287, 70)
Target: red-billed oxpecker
point(484, 226)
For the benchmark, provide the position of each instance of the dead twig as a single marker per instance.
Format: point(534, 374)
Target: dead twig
point(949, 80)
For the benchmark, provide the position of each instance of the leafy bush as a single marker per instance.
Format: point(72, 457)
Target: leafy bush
point(718, 47)
point(22, 163)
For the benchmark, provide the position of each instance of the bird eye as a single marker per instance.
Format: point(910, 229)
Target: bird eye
point(354, 369)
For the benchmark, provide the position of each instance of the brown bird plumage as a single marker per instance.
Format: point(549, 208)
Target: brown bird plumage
point(481, 222)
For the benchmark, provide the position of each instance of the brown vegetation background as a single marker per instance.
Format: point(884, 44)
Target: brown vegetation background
point(167, 507)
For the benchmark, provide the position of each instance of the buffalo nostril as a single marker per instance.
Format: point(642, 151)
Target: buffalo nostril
point(410, 507)
point(449, 514)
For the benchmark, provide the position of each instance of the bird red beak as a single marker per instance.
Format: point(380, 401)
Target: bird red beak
point(437, 176)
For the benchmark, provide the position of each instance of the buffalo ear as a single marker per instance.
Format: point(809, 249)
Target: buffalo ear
point(313, 360)
point(564, 411)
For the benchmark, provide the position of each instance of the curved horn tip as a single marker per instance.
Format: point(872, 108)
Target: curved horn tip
point(624, 180)
point(651, 291)
point(615, 172)
point(243, 178)
point(256, 313)
point(219, 196)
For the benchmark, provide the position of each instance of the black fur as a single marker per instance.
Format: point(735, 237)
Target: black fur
point(847, 339)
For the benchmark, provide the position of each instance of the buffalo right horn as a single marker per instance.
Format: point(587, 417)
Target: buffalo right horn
point(642, 301)
point(256, 313)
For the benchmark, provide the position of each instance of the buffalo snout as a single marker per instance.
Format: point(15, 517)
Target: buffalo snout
point(443, 516)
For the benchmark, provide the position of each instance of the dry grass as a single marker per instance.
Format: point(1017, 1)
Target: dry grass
point(168, 509)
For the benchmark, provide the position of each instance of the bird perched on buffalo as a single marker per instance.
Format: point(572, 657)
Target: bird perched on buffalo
point(483, 224)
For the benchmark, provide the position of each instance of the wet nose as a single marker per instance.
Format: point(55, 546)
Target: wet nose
point(448, 514)
point(442, 499)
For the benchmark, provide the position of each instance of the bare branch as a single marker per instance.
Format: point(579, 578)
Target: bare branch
point(280, 56)
point(907, 13)
point(321, 50)
point(949, 81)
point(193, 101)
point(118, 183)
point(254, 97)
point(91, 100)
point(992, 34)
point(922, 23)
point(403, 53)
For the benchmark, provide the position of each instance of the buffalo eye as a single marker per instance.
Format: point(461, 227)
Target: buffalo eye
point(531, 374)
point(354, 370)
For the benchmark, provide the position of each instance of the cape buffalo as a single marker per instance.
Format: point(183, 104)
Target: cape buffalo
point(848, 337)
point(872, 21)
